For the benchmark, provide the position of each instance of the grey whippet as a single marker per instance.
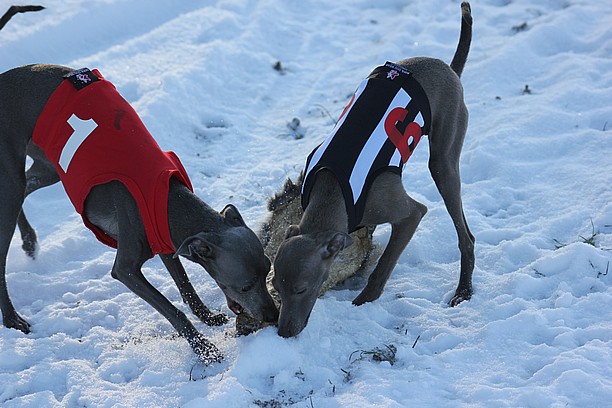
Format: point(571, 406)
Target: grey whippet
point(303, 260)
point(221, 242)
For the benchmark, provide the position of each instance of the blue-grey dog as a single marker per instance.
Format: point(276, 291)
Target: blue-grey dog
point(353, 179)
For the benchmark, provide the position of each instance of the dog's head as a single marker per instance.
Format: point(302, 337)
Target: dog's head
point(234, 258)
point(301, 266)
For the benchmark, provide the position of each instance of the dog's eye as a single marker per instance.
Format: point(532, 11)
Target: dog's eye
point(299, 291)
point(246, 288)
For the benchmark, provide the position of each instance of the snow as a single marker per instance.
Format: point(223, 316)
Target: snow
point(536, 169)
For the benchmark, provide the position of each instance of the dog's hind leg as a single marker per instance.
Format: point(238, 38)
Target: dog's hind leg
point(12, 187)
point(8, 214)
point(388, 202)
point(29, 240)
point(188, 293)
point(40, 174)
point(444, 168)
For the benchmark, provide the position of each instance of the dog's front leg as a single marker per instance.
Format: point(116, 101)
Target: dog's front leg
point(401, 233)
point(127, 269)
point(388, 202)
point(112, 208)
point(189, 294)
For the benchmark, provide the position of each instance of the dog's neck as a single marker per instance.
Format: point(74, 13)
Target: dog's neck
point(326, 210)
point(188, 215)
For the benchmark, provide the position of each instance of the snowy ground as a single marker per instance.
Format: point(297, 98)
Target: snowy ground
point(537, 177)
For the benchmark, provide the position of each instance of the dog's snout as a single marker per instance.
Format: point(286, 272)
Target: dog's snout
point(287, 332)
point(290, 329)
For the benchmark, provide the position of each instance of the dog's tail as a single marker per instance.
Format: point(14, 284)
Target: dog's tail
point(465, 38)
point(17, 9)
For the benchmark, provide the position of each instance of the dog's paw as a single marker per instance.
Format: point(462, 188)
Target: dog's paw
point(460, 296)
point(17, 322)
point(206, 351)
point(358, 301)
point(30, 245)
point(364, 297)
point(206, 316)
point(212, 319)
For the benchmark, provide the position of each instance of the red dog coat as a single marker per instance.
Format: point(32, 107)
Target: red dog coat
point(93, 136)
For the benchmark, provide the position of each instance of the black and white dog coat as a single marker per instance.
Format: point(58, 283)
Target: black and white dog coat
point(377, 131)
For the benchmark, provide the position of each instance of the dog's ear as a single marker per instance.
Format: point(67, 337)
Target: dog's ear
point(332, 242)
point(199, 247)
point(292, 231)
point(232, 217)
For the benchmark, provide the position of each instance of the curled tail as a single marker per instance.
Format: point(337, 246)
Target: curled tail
point(465, 38)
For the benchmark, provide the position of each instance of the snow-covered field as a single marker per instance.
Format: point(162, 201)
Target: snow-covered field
point(537, 189)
